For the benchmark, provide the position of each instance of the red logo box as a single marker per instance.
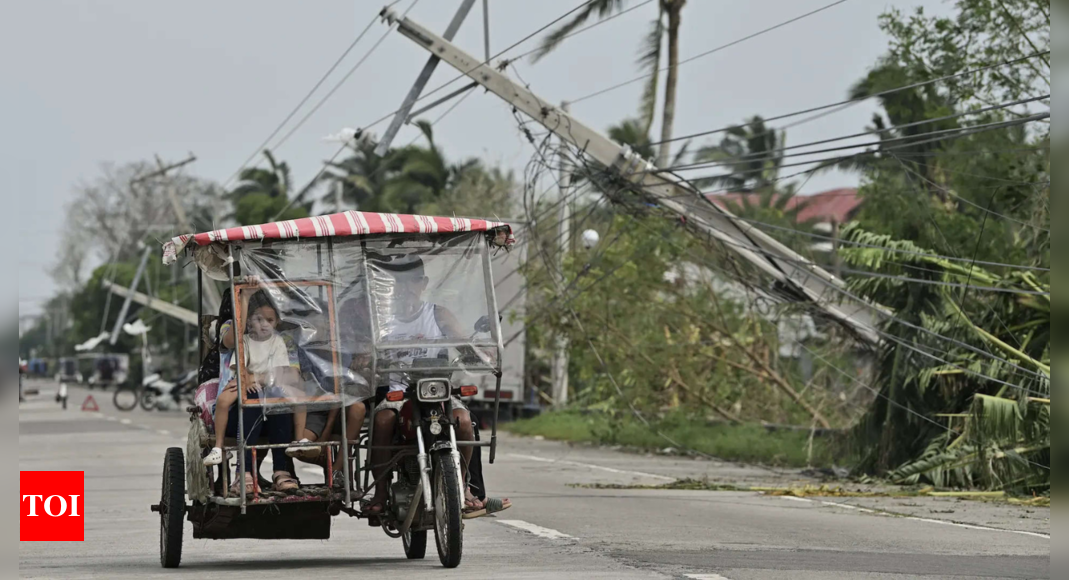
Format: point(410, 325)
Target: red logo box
point(52, 506)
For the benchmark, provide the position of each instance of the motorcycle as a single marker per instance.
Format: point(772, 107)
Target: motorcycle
point(158, 394)
point(427, 489)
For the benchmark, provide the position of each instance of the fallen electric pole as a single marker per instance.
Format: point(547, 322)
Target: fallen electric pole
point(773, 258)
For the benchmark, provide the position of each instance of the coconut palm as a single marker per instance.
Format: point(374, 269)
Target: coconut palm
point(748, 158)
point(263, 195)
point(363, 176)
point(665, 26)
point(421, 174)
point(634, 133)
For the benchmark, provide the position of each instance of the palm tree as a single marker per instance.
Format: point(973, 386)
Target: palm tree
point(669, 17)
point(421, 174)
point(751, 154)
point(634, 133)
point(363, 176)
point(262, 195)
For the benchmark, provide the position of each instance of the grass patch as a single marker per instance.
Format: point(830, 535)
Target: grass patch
point(743, 443)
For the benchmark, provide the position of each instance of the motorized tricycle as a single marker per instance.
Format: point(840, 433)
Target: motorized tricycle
point(359, 334)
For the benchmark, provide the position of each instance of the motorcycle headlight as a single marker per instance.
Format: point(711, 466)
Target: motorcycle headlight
point(433, 390)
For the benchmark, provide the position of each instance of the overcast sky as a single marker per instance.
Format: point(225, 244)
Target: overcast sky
point(98, 81)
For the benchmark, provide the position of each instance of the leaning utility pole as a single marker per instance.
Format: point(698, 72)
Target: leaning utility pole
point(126, 303)
point(793, 272)
point(559, 371)
point(212, 298)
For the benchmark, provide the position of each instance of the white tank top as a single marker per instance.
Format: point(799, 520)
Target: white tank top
point(422, 326)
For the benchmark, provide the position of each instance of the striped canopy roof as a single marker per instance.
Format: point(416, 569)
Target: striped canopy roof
point(349, 223)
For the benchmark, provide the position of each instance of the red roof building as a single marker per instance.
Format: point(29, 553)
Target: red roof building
point(836, 206)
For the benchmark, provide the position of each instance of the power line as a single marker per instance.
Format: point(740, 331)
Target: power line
point(443, 86)
point(842, 105)
point(341, 82)
point(776, 153)
point(906, 141)
point(986, 210)
point(891, 337)
point(833, 161)
point(891, 250)
point(305, 99)
point(880, 394)
point(852, 296)
point(707, 53)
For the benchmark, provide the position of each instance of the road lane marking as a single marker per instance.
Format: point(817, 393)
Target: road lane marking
point(536, 530)
point(707, 577)
point(590, 466)
point(917, 519)
point(109, 418)
point(126, 421)
point(164, 432)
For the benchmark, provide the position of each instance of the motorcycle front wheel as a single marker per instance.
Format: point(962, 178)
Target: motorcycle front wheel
point(448, 507)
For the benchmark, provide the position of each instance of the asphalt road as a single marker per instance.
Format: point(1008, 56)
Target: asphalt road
point(555, 530)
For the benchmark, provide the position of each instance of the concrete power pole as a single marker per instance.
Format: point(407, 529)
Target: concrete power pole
point(559, 371)
point(808, 281)
point(212, 298)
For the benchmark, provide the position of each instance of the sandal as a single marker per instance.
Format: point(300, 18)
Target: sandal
point(250, 486)
point(494, 505)
point(285, 482)
point(473, 507)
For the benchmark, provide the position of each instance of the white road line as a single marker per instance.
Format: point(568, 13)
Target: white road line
point(916, 519)
point(126, 421)
point(536, 530)
point(707, 577)
point(111, 418)
point(589, 466)
point(164, 432)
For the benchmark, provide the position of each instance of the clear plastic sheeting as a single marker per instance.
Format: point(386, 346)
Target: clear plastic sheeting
point(427, 299)
point(325, 321)
point(288, 317)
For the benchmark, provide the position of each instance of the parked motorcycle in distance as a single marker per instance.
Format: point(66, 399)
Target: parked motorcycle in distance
point(158, 394)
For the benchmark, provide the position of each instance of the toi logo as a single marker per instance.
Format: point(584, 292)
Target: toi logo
point(52, 506)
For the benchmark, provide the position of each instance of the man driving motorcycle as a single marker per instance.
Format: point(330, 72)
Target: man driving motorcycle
point(405, 316)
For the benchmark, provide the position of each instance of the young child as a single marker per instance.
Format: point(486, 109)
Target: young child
point(269, 362)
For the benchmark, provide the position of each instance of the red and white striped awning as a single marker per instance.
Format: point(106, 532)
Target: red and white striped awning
point(349, 223)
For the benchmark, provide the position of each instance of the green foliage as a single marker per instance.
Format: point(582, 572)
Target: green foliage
point(1006, 438)
point(749, 443)
point(979, 195)
point(419, 179)
point(652, 330)
point(263, 195)
point(749, 156)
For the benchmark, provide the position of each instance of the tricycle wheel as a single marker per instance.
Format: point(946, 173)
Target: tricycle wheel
point(172, 508)
point(415, 544)
point(448, 505)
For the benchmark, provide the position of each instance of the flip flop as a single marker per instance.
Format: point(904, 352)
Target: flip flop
point(494, 505)
point(473, 511)
point(283, 481)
